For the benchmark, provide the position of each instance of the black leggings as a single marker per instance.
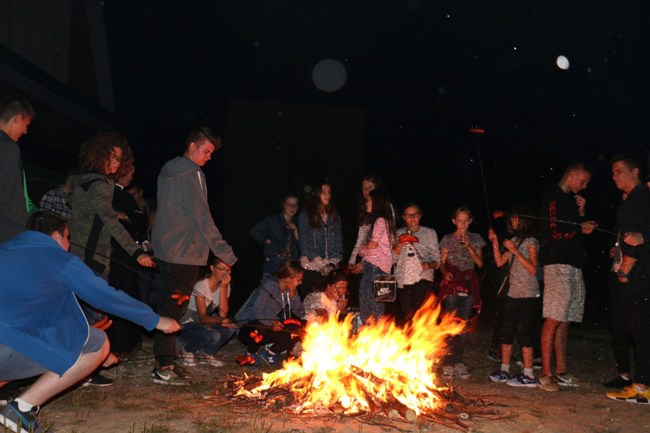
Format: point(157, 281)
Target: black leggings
point(518, 319)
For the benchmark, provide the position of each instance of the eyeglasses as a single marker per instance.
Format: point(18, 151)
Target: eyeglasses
point(226, 270)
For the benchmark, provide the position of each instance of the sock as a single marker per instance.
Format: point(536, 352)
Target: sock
point(23, 406)
point(639, 388)
point(625, 376)
point(529, 372)
point(505, 367)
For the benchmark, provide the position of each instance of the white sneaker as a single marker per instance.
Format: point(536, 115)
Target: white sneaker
point(204, 358)
point(187, 358)
point(567, 380)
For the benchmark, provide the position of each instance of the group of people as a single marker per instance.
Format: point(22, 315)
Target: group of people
point(542, 260)
point(111, 232)
point(561, 255)
point(56, 303)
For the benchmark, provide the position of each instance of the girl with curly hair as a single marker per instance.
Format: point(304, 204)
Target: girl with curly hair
point(94, 221)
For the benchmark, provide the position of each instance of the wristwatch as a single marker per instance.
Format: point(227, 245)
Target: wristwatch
point(621, 274)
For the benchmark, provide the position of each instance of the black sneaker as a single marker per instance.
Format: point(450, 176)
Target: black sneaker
point(169, 376)
point(618, 383)
point(98, 380)
point(18, 421)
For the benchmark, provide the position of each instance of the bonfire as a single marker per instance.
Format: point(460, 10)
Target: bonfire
point(381, 368)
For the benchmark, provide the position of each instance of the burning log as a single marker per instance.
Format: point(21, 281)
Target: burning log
point(400, 410)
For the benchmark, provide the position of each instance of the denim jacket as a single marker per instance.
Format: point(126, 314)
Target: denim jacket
point(283, 241)
point(324, 241)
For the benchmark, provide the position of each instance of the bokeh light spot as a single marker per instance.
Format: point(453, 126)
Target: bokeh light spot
point(329, 75)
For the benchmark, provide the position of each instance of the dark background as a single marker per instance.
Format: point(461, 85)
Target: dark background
point(419, 75)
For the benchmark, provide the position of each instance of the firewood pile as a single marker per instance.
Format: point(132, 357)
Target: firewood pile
point(456, 410)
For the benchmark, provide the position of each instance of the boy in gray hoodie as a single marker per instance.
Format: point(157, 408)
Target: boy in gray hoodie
point(183, 235)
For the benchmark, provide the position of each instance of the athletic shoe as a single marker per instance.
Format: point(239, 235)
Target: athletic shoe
point(181, 370)
point(460, 371)
point(97, 380)
point(618, 383)
point(18, 421)
point(499, 376)
point(537, 364)
point(448, 372)
point(548, 383)
point(205, 358)
point(169, 376)
point(268, 357)
point(567, 380)
point(630, 394)
point(187, 358)
point(522, 380)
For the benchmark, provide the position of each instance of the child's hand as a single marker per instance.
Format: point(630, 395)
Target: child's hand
point(510, 246)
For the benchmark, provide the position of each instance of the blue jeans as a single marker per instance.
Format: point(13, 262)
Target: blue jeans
point(367, 305)
point(462, 308)
point(195, 336)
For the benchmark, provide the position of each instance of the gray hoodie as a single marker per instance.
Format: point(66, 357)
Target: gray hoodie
point(184, 231)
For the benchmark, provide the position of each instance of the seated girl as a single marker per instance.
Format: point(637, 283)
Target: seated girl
point(271, 319)
point(205, 326)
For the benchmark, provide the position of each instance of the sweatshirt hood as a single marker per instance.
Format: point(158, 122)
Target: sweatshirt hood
point(79, 179)
point(179, 166)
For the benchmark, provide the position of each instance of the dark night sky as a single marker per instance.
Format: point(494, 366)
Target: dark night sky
point(424, 71)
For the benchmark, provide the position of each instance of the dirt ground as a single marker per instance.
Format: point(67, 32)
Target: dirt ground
point(136, 405)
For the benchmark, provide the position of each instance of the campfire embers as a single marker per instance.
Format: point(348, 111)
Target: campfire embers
point(383, 369)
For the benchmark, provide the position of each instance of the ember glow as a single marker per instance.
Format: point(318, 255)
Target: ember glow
point(383, 364)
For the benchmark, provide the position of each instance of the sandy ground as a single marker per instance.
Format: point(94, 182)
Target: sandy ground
point(134, 404)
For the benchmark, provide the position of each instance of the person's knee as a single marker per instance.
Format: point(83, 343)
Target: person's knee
point(102, 353)
point(550, 324)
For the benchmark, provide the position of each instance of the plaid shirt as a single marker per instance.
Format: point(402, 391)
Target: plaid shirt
point(54, 201)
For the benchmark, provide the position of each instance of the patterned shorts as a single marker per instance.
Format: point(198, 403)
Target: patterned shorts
point(564, 293)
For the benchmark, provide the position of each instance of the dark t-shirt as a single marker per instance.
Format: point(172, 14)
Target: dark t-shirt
point(561, 243)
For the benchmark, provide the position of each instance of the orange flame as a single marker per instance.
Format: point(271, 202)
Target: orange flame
point(382, 363)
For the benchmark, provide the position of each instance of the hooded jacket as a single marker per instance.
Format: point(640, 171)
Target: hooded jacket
point(267, 302)
point(184, 232)
point(94, 222)
point(39, 313)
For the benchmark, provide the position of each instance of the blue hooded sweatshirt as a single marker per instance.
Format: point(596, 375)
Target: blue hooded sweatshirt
point(39, 313)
